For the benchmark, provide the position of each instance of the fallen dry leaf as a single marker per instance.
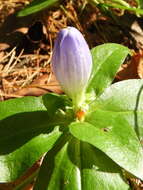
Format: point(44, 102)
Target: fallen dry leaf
point(28, 187)
point(42, 85)
point(137, 33)
point(133, 69)
point(4, 46)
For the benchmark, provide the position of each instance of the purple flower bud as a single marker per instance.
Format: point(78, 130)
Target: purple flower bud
point(72, 63)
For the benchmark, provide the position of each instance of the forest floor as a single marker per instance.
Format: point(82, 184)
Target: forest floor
point(26, 45)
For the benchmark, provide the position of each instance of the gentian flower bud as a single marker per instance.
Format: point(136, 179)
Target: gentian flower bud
point(72, 64)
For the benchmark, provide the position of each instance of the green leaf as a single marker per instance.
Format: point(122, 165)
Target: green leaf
point(107, 59)
point(78, 165)
point(26, 133)
point(136, 10)
point(54, 101)
point(112, 135)
point(124, 98)
point(35, 6)
point(21, 105)
point(120, 2)
point(140, 3)
point(14, 164)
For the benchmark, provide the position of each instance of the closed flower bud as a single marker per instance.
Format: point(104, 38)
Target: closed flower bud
point(72, 63)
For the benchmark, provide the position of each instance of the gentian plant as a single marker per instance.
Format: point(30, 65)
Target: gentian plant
point(90, 137)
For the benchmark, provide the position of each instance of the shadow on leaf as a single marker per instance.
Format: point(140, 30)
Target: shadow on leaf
point(18, 129)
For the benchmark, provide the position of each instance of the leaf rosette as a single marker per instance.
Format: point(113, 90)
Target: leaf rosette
point(79, 155)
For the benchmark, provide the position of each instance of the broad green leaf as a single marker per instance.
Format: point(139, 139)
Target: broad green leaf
point(18, 129)
point(26, 133)
point(35, 6)
point(112, 135)
point(21, 105)
point(107, 59)
point(14, 164)
point(124, 98)
point(79, 166)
